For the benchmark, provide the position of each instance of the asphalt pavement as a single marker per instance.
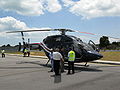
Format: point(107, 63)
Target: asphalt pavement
point(30, 73)
point(96, 61)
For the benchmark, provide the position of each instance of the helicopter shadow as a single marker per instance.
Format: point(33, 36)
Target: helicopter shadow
point(25, 67)
point(57, 79)
point(81, 68)
point(87, 69)
point(9, 67)
point(34, 62)
point(78, 68)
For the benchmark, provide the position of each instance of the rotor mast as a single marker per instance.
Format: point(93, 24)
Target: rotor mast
point(63, 32)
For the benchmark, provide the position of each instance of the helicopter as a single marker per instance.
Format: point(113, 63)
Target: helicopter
point(85, 52)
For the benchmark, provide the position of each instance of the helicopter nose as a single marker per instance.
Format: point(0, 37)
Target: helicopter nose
point(94, 55)
point(98, 56)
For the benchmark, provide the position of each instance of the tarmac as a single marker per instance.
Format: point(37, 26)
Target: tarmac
point(95, 61)
point(30, 73)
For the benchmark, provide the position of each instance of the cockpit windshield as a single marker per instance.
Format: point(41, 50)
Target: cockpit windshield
point(87, 47)
point(75, 38)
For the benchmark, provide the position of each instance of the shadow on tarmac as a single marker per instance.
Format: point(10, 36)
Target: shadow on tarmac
point(57, 79)
point(18, 67)
point(33, 62)
point(78, 68)
point(23, 67)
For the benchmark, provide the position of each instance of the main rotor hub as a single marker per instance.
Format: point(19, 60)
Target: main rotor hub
point(63, 31)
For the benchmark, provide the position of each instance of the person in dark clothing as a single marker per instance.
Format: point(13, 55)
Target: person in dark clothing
point(62, 62)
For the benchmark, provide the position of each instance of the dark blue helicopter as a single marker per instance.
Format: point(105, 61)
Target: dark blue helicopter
point(85, 52)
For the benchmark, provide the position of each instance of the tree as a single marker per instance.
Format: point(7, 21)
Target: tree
point(8, 45)
point(3, 46)
point(104, 42)
point(116, 43)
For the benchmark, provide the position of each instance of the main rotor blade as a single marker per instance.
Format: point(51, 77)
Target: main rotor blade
point(81, 32)
point(29, 30)
point(61, 30)
point(69, 30)
point(85, 32)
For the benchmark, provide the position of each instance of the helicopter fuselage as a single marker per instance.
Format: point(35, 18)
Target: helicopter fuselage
point(84, 52)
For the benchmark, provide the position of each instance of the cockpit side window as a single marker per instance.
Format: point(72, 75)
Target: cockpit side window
point(87, 47)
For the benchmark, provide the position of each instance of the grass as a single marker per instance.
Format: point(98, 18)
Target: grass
point(37, 53)
point(111, 56)
point(15, 52)
point(107, 56)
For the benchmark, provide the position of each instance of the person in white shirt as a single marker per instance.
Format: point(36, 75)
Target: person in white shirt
point(3, 53)
point(57, 57)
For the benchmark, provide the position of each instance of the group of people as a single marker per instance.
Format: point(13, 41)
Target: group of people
point(57, 61)
point(26, 52)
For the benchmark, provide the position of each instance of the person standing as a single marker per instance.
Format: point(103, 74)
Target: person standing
point(51, 59)
point(28, 51)
point(25, 52)
point(49, 53)
point(3, 53)
point(71, 59)
point(62, 62)
point(57, 57)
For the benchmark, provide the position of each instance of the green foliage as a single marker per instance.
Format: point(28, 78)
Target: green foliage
point(104, 42)
point(8, 45)
point(106, 45)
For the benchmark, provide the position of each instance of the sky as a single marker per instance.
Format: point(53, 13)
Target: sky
point(101, 17)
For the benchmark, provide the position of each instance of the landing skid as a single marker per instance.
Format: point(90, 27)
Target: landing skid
point(47, 62)
point(86, 65)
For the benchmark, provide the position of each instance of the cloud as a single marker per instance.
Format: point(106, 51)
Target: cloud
point(68, 3)
point(86, 8)
point(11, 24)
point(93, 8)
point(114, 40)
point(53, 5)
point(30, 7)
